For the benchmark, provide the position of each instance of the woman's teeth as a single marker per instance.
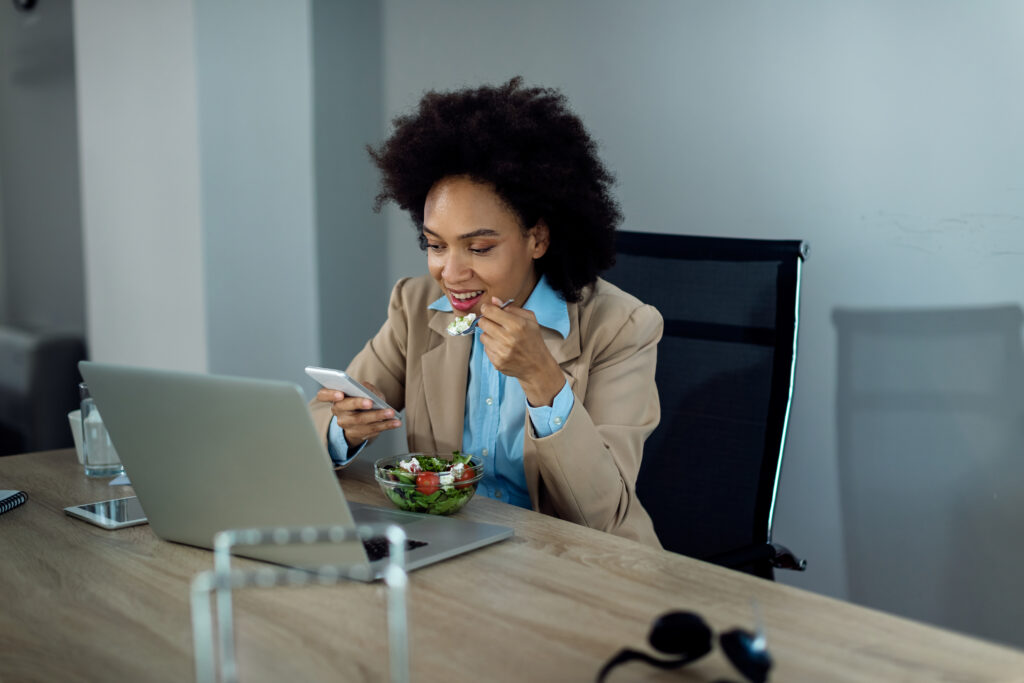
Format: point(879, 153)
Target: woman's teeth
point(468, 295)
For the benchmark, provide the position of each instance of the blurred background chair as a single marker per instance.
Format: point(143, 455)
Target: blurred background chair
point(930, 426)
point(38, 387)
point(726, 364)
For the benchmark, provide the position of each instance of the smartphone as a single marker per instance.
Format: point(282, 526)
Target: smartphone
point(110, 514)
point(338, 380)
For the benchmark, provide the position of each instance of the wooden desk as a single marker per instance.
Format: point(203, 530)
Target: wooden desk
point(83, 604)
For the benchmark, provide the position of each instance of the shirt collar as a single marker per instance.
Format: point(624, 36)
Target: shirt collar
point(550, 308)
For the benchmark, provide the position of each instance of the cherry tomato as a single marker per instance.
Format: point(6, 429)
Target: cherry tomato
point(467, 473)
point(427, 482)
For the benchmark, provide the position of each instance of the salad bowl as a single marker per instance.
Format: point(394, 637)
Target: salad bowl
point(429, 482)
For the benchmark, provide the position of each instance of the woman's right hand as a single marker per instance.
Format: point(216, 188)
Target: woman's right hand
point(354, 416)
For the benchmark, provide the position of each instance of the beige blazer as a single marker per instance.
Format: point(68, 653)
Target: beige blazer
point(585, 472)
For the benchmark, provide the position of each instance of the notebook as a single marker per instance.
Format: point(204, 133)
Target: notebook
point(206, 453)
point(11, 499)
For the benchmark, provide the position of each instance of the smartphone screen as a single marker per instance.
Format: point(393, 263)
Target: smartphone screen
point(110, 514)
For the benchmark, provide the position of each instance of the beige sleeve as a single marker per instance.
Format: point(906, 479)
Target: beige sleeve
point(589, 467)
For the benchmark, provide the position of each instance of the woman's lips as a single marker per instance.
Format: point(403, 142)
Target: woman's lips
point(463, 305)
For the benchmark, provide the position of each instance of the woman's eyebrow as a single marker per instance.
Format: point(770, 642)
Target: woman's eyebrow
point(482, 232)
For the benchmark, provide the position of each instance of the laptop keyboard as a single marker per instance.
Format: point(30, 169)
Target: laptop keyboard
point(377, 546)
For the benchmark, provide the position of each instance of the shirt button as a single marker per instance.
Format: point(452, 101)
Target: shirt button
point(489, 401)
point(557, 420)
point(497, 494)
point(484, 452)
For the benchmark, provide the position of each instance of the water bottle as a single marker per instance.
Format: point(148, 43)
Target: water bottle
point(98, 454)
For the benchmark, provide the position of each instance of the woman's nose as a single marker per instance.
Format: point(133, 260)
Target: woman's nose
point(455, 268)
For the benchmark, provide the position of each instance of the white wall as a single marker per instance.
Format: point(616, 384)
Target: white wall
point(40, 226)
point(352, 240)
point(254, 66)
point(886, 134)
point(196, 121)
point(141, 213)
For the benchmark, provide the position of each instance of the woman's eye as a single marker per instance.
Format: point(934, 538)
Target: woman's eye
point(434, 247)
point(481, 250)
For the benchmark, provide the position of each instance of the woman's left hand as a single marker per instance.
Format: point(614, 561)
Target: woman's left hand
point(513, 341)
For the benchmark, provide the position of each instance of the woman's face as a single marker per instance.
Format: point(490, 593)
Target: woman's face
point(476, 245)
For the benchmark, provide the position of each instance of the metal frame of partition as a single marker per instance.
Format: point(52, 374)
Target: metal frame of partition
point(222, 666)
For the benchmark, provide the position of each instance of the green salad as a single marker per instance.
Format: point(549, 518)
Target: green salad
point(424, 483)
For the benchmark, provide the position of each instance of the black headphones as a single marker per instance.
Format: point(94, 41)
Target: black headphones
point(687, 637)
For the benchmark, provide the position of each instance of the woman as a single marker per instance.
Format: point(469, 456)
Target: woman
point(556, 391)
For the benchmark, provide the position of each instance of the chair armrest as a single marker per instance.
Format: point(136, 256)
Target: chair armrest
point(774, 554)
point(783, 558)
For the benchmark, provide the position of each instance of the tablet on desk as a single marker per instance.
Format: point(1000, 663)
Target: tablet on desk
point(110, 514)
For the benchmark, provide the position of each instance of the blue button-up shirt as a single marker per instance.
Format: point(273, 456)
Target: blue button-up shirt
point(496, 407)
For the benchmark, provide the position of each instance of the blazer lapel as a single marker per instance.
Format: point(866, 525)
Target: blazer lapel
point(445, 376)
point(568, 349)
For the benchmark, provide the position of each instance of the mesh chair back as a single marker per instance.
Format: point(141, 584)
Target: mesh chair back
point(725, 370)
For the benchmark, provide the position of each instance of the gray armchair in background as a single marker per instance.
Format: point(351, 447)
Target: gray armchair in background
point(38, 387)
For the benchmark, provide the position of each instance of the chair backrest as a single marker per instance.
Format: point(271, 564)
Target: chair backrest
point(725, 376)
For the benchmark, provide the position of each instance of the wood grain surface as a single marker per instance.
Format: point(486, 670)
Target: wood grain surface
point(80, 603)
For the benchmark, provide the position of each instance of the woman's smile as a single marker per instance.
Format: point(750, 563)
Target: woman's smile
point(464, 301)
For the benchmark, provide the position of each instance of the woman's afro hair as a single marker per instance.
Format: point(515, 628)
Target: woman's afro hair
point(528, 146)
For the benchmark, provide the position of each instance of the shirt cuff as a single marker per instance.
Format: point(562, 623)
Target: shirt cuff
point(549, 419)
point(337, 447)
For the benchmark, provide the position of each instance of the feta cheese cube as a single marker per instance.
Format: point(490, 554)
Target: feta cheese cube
point(411, 465)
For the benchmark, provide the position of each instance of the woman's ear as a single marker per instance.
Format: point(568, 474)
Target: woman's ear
point(541, 237)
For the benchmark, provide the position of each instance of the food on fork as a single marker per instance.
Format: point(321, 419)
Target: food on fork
point(461, 323)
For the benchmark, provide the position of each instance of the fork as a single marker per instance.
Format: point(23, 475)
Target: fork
point(472, 325)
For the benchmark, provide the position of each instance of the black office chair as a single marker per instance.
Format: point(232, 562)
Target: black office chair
point(725, 372)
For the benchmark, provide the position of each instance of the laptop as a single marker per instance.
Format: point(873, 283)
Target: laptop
point(206, 453)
